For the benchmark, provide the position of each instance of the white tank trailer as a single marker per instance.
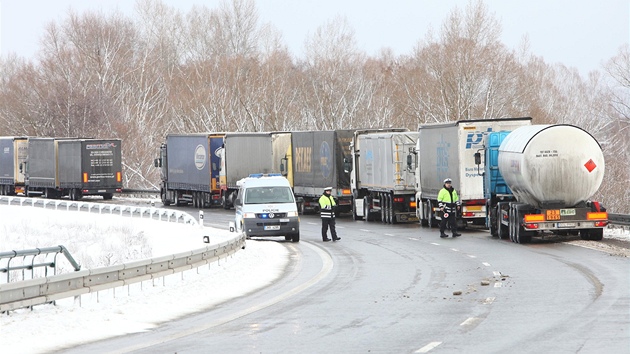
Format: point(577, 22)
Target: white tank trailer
point(551, 171)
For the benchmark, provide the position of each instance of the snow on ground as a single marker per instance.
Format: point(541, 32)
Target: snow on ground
point(101, 240)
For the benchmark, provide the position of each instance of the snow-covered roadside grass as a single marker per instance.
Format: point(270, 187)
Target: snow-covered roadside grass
point(101, 240)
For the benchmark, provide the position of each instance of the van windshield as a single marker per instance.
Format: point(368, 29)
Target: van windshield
point(266, 195)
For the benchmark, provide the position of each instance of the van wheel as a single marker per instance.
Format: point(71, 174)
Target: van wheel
point(296, 237)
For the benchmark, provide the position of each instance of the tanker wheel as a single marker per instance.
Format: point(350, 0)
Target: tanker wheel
point(224, 202)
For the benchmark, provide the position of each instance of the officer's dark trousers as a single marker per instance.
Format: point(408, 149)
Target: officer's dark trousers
point(326, 222)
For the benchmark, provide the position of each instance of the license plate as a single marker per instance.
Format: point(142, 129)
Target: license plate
point(284, 220)
point(272, 227)
point(566, 224)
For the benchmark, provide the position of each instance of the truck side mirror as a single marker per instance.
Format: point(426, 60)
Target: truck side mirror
point(157, 162)
point(477, 158)
point(347, 165)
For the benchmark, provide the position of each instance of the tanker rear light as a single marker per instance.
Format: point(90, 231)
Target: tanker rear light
point(534, 217)
point(531, 226)
point(412, 204)
point(118, 177)
point(599, 215)
point(601, 223)
point(467, 213)
point(399, 200)
point(475, 202)
point(346, 192)
point(85, 177)
point(119, 190)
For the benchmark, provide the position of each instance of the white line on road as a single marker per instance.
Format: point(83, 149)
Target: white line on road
point(428, 347)
point(489, 300)
point(454, 249)
point(486, 264)
point(413, 238)
point(389, 235)
point(472, 256)
point(496, 273)
point(498, 284)
point(436, 244)
point(364, 230)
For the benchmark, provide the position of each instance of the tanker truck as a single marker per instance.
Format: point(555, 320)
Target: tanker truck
point(538, 180)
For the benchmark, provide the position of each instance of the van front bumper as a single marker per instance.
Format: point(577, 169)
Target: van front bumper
point(271, 227)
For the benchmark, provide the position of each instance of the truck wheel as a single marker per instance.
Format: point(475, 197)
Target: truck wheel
point(383, 201)
point(224, 202)
point(366, 210)
point(296, 237)
point(108, 196)
point(355, 217)
point(165, 201)
point(392, 210)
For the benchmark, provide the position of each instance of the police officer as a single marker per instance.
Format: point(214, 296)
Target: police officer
point(327, 207)
point(448, 201)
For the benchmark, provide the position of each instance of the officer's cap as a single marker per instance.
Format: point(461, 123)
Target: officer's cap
point(448, 180)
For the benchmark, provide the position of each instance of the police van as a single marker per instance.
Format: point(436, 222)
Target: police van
point(265, 206)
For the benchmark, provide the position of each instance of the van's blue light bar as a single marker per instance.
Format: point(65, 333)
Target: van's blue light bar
point(258, 175)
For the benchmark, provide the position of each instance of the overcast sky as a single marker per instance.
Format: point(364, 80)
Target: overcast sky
point(577, 33)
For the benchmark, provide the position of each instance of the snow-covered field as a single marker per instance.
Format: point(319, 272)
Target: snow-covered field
point(101, 240)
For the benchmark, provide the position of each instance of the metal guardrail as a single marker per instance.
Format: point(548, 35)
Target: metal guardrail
point(46, 290)
point(34, 253)
point(619, 219)
point(43, 290)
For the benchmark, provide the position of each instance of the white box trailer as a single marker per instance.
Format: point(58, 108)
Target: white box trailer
point(382, 182)
point(447, 150)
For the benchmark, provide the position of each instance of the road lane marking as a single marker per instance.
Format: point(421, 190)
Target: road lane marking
point(486, 264)
point(436, 244)
point(428, 347)
point(414, 239)
point(389, 235)
point(489, 300)
point(498, 284)
point(472, 256)
point(496, 273)
point(364, 230)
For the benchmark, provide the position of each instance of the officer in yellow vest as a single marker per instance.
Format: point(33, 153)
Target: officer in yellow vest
point(327, 206)
point(448, 201)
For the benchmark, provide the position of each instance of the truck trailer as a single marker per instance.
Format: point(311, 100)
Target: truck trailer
point(538, 179)
point(321, 159)
point(384, 175)
point(243, 154)
point(447, 150)
point(13, 152)
point(189, 169)
point(87, 167)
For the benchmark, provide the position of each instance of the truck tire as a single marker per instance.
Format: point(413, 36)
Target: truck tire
point(108, 196)
point(224, 202)
point(366, 210)
point(391, 209)
point(295, 237)
point(383, 203)
point(165, 201)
